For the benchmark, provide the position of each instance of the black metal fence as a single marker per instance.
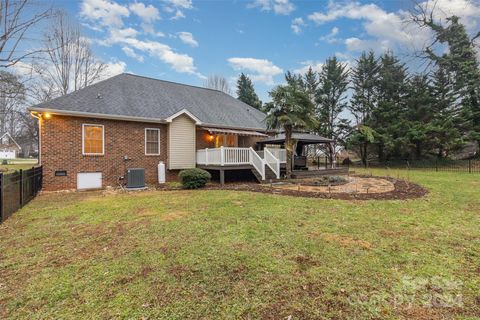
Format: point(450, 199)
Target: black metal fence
point(17, 189)
point(470, 166)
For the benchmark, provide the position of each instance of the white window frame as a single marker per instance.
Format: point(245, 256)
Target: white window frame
point(83, 139)
point(145, 139)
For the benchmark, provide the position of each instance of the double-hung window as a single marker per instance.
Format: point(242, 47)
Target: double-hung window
point(92, 139)
point(152, 141)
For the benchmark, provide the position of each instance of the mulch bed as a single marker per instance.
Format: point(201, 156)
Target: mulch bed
point(403, 190)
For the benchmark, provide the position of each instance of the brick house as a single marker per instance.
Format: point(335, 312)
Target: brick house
point(89, 138)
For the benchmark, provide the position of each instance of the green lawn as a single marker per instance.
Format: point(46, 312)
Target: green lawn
point(17, 164)
point(230, 255)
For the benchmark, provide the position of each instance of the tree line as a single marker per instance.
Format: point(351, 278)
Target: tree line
point(378, 108)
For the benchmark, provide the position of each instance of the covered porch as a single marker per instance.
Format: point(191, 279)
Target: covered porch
point(304, 143)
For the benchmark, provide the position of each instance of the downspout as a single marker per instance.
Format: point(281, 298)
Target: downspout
point(39, 136)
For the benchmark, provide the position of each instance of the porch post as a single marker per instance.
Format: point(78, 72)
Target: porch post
point(206, 156)
point(222, 177)
point(332, 155)
point(222, 156)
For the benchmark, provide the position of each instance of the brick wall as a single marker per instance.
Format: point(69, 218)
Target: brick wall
point(61, 149)
point(203, 140)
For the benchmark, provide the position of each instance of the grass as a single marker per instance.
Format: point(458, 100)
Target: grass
point(17, 164)
point(228, 255)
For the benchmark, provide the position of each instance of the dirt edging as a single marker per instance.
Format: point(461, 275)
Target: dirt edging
point(404, 190)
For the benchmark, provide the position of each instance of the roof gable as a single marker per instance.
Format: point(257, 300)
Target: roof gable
point(6, 140)
point(137, 97)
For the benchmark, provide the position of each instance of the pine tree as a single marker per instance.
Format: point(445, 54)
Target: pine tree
point(331, 99)
point(311, 82)
point(419, 115)
point(389, 114)
point(331, 96)
point(246, 92)
point(364, 77)
point(461, 63)
point(445, 132)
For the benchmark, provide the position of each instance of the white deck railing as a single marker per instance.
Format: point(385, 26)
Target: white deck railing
point(280, 154)
point(227, 156)
point(272, 161)
point(257, 162)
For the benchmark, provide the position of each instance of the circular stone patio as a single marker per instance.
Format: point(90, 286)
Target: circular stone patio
point(355, 185)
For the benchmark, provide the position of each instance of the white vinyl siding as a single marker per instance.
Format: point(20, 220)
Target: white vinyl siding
point(181, 143)
point(8, 154)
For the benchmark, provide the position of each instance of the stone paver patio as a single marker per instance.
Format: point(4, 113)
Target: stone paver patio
point(354, 185)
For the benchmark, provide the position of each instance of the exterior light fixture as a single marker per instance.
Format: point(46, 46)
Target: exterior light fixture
point(47, 115)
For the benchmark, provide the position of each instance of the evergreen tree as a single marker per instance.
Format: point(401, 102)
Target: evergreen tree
point(445, 127)
point(364, 77)
point(389, 114)
point(331, 100)
point(331, 95)
point(246, 92)
point(461, 63)
point(418, 117)
point(311, 82)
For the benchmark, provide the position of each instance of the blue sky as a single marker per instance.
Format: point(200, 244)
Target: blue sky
point(185, 41)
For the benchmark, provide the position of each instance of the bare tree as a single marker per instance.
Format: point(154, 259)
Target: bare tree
point(16, 21)
point(218, 82)
point(69, 63)
point(12, 98)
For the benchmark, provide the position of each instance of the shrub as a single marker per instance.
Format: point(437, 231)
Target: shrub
point(328, 180)
point(194, 178)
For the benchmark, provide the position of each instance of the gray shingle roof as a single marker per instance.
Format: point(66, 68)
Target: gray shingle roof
point(299, 136)
point(128, 95)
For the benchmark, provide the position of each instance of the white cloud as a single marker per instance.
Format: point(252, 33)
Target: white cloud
point(467, 10)
point(108, 13)
point(132, 54)
point(297, 25)
point(113, 68)
point(185, 4)
point(283, 7)
point(177, 6)
point(178, 61)
point(356, 44)
point(178, 15)
point(148, 13)
point(330, 38)
point(391, 30)
point(187, 38)
point(315, 65)
point(377, 22)
point(263, 70)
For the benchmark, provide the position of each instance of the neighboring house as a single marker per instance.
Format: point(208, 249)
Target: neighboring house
point(89, 138)
point(9, 148)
